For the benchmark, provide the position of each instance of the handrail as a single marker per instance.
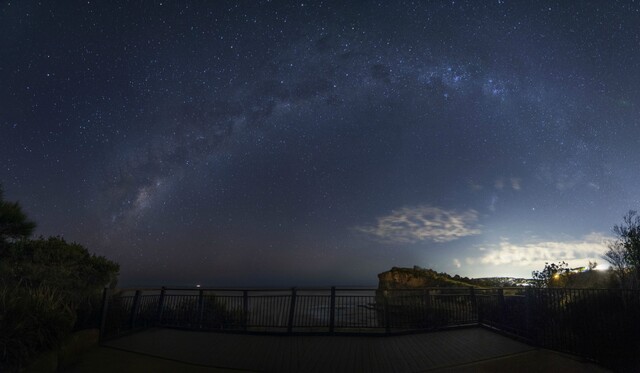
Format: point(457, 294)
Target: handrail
point(534, 314)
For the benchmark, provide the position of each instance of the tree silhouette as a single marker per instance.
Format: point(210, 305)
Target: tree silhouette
point(48, 287)
point(553, 275)
point(13, 222)
point(624, 252)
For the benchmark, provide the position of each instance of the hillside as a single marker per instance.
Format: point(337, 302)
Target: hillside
point(417, 277)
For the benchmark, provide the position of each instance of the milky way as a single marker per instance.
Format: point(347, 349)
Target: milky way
point(281, 143)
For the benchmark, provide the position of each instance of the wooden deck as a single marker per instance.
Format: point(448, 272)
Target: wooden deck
point(408, 353)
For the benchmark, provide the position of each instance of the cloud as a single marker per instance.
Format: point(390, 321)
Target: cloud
point(473, 185)
point(422, 223)
point(593, 186)
point(577, 252)
point(457, 263)
point(514, 182)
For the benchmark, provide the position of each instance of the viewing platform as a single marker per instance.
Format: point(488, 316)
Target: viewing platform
point(372, 330)
point(470, 349)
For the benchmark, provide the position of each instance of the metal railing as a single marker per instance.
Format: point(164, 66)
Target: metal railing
point(330, 310)
point(587, 322)
point(600, 324)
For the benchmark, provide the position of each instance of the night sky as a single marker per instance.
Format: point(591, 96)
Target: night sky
point(279, 143)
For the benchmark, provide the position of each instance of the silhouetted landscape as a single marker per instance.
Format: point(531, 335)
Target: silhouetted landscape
point(53, 292)
point(323, 186)
point(598, 324)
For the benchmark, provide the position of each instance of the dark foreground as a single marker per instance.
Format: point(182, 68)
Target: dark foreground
point(468, 349)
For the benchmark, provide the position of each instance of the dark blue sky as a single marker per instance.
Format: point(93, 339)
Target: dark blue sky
point(282, 143)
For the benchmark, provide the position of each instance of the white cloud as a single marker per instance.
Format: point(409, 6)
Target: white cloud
point(576, 252)
point(457, 263)
point(420, 223)
point(515, 183)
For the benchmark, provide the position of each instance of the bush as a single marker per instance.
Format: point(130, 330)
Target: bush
point(32, 320)
point(78, 276)
point(184, 311)
point(606, 326)
point(46, 287)
point(217, 315)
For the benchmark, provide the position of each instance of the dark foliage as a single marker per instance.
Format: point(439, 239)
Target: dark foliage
point(32, 320)
point(13, 222)
point(605, 326)
point(624, 252)
point(553, 275)
point(48, 287)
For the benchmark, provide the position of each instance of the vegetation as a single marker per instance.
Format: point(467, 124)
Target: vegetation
point(604, 326)
point(48, 287)
point(560, 275)
point(32, 319)
point(624, 252)
point(14, 224)
point(417, 277)
point(552, 275)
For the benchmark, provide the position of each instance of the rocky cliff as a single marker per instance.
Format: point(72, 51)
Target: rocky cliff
point(416, 277)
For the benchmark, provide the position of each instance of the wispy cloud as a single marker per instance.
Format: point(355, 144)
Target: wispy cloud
point(514, 182)
point(579, 251)
point(420, 223)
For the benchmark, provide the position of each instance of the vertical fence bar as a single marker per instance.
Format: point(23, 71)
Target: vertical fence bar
point(158, 318)
point(292, 310)
point(332, 310)
point(103, 317)
point(528, 322)
point(200, 307)
point(134, 309)
point(387, 315)
point(474, 305)
point(245, 309)
point(502, 311)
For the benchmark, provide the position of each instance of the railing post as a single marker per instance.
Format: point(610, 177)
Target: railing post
point(200, 307)
point(332, 310)
point(160, 306)
point(501, 304)
point(103, 317)
point(474, 304)
point(528, 301)
point(134, 309)
point(292, 310)
point(245, 308)
point(387, 315)
point(426, 308)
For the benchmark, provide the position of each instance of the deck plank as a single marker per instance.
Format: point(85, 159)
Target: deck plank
point(409, 353)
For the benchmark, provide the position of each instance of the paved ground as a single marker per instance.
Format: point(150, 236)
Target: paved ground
point(460, 350)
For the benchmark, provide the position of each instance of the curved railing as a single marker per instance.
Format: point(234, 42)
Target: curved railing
point(296, 310)
point(587, 322)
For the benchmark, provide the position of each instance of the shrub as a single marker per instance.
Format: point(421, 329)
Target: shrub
point(78, 276)
point(217, 315)
point(606, 326)
point(32, 319)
